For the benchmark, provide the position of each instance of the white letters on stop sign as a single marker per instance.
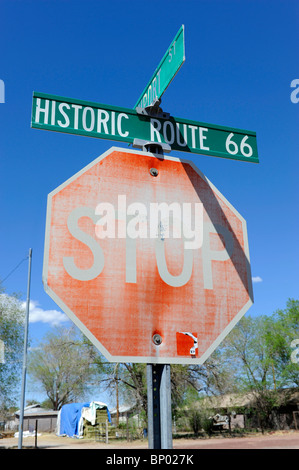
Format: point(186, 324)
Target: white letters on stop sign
point(208, 254)
point(98, 256)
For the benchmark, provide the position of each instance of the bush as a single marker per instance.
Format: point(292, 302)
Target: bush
point(207, 425)
point(199, 421)
point(195, 420)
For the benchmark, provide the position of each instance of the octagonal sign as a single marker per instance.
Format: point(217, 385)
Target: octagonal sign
point(147, 258)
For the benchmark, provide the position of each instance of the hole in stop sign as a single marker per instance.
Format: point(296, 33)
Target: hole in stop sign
point(121, 290)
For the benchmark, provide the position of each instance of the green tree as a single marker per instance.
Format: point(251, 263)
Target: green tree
point(247, 349)
point(132, 385)
point(128, 382)
point(64, 365)
point(260, 349)
point(12, 316)
point(286, 330)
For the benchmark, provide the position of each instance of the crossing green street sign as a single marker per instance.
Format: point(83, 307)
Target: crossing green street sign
point(85, 118)
point(170, 64)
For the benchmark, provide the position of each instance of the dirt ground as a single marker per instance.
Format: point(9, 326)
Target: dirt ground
point(273, 440)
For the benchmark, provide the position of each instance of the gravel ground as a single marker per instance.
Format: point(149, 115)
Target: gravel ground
point(274, 440)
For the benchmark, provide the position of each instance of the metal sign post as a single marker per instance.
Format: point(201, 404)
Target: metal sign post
point(159, 406)
point(25, 355)
point(158, 388)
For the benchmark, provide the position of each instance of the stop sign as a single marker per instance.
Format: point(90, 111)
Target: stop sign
point(142, 284)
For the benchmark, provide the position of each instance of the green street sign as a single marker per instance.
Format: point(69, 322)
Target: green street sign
point(56, 113)
point(170, 64)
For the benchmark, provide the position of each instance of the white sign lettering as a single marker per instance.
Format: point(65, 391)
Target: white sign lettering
point(75, 116)
point(133, 223)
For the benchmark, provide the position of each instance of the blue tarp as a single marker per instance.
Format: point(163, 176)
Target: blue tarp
point(70, 416)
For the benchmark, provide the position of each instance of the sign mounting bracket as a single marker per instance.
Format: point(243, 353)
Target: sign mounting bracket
point(154, 147)
point(153, 110)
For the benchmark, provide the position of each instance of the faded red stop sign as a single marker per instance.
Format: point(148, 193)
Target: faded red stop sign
point(142, 283)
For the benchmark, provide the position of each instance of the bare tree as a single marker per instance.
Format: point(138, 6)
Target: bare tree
point(64, 365)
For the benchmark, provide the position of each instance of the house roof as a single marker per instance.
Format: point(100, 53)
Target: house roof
point(36, 410)
point(234, 400)
point(229, 401)
point(122, 409)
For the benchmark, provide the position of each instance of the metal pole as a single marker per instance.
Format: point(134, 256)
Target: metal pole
point(106, 431)
point(25, 354)
point(117, 400)
point(159, 406)
point(153, 406)
point(165, 408)
point(158, 386)
point(35, 441)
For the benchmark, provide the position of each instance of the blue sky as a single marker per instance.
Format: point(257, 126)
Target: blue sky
point(241, 57)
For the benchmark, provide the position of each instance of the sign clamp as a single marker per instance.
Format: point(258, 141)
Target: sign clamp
point(153, 110)
point(149, 146)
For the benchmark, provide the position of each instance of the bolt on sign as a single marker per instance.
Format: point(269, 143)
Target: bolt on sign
point(147, 258)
